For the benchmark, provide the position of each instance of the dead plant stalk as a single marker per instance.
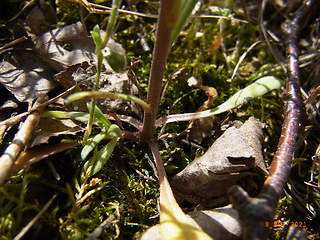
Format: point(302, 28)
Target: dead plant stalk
point(21, 141)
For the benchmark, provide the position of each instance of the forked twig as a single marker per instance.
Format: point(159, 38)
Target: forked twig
point(256, 214)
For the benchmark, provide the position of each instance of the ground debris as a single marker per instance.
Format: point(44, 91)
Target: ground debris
point(232, 157)
point(219, 223)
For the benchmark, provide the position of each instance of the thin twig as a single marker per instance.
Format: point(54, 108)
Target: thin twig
point(243, 56)
point(97, 8)
point(276, 54)
point(256, 214)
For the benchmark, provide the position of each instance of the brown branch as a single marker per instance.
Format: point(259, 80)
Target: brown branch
point(256, 214)
point(165, 26)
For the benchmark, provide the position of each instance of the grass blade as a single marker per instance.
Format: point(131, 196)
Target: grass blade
point(186, 8)
point(254, 90)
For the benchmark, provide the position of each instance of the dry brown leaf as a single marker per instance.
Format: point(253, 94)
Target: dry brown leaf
point(50, 127)
point(38, 153)
point(25, 76)
point(51, 44)
point(232, 157)
point(219, 223)
point(67, 78)
point(40, 14)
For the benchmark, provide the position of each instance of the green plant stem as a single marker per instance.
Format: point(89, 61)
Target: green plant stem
point(110, 27)
point(112, 21)
point(94, 101)
point(167, 18)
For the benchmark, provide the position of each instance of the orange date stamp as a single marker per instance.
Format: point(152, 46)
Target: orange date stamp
point(278, 224)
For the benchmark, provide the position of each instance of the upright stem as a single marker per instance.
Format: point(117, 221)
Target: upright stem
point(111, 24)
point(94, 101)
point(167, 19)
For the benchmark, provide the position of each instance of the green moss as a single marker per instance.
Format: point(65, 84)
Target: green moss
point(128, 179)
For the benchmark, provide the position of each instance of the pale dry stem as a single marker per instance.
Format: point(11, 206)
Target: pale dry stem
point(21, 141)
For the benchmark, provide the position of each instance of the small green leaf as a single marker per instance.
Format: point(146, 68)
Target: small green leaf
point(114, 131)
point(99, 159)
point(80, 116)
point(95, 33)
point(116, 60)
point(90, 145)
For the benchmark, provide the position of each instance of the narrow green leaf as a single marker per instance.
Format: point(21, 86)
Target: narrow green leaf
point(99, 160)
point(86, 171)
point(255, 89)
point(114, 131)
point(80, 116)
point(55, 114)
point(100, 121)
point(90, 145)
point(186, 8)
point(96, 35)
point(103, 95)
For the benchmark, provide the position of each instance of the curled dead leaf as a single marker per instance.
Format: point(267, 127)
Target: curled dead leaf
point(233, 156)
